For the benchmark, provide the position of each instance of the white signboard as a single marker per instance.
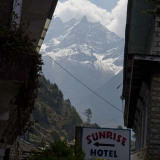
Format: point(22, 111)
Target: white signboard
point(108, 144)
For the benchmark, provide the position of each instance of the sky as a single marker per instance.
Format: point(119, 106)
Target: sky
point(105, 4)
point(111, 13)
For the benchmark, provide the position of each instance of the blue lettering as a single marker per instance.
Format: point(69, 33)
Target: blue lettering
point(106, 153)
point(100, 153)
point(93, 152)
point(115, 154)
point(103, 153)
point(110, 153)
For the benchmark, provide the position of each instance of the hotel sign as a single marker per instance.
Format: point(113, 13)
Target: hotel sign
point(104, 143)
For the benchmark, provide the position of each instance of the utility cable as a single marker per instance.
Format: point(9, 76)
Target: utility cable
point(106, 122)
point(119, 85)
point(45, 137)
point(84, 84)
point(111, 120)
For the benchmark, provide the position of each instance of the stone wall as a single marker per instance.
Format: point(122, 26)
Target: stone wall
point(155, 48)
point(153, 132)
point(5, 10)
point(140, 122)
point(139, 155)
point(153, 138)
point(147, 118)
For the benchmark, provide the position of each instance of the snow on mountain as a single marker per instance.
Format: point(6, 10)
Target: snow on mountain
point(88, 50)
point(85, 42)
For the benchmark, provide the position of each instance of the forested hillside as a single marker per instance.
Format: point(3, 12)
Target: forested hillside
point(55, 117)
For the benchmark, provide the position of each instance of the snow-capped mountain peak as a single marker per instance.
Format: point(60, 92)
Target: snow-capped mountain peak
point(86, 49)
point(86, 41)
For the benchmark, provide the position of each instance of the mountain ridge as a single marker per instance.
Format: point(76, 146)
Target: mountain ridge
point(87, 50)
point(55, 117)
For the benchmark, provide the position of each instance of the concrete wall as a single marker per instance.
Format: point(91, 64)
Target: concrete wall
point(35, 14)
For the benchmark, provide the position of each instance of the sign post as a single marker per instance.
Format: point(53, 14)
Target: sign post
point(105, 143)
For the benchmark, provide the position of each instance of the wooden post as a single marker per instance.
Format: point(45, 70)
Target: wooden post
point(78, 141)
point(78, 135)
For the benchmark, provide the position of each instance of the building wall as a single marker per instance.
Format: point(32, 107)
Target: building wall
point(141, 117)
point(153, 138)
point(155, 49)
point(147, 119)
point(153, 131)
point(35, 14)
point(5, 10)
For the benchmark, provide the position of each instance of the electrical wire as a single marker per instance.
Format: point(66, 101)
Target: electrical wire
point(106, 122)
point(111, 120)
point(44, 136)
point(91, 90)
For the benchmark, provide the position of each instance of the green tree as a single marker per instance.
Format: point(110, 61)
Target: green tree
point(119, 127)
point(58, 151)
point(55, 135)
point(88, 113)
point(155, 11)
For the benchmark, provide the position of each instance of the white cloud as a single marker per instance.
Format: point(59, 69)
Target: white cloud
point(119, 18)
point(114, 20)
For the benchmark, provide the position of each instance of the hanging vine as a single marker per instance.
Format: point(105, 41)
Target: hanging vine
point(19, 62)
point(156, 10)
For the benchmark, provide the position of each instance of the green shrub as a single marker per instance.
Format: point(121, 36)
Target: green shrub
point(58, 151)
